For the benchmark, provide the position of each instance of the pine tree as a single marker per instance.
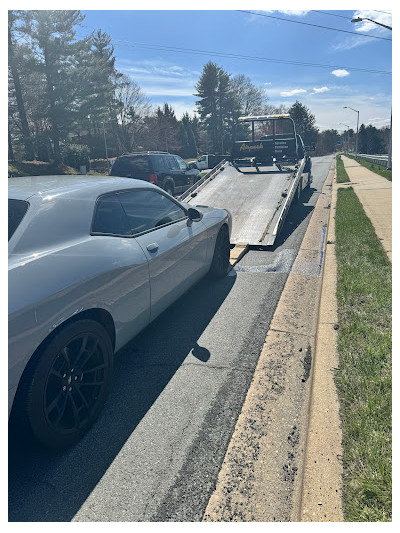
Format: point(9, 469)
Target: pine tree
point(304, 121)
point(187, 138)
point(52, 34)
point(18, 95)
point(217, 106)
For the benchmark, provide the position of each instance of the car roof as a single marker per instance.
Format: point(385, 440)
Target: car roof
point(23, 188)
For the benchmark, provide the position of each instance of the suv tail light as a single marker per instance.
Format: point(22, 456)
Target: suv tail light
point(153, 179)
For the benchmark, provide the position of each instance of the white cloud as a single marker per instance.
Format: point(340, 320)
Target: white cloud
point(296, 12)
point(340, 72)
point(293, 92)
point(320, 90)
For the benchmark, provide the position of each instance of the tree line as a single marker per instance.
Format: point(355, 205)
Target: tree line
point(68, 103)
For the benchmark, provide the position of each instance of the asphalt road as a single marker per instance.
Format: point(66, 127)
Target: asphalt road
point(155, 453)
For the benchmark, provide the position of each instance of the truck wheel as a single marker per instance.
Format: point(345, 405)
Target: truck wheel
point(220, 262)
point(66, 384)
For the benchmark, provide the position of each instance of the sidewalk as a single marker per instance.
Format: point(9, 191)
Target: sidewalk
point(322, 477)
point(375, 194)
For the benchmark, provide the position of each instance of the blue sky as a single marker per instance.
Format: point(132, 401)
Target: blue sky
point(170, 76)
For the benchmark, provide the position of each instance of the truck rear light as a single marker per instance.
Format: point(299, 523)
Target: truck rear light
point(153, 179)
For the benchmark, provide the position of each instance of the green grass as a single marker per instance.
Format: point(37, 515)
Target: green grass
point(341, 174)
point(378, 169)
point(364, 374)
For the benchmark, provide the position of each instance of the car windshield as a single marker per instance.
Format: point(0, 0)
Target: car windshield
point(16, 212)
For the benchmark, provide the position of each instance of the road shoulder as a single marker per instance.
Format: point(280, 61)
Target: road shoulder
point(261, 478)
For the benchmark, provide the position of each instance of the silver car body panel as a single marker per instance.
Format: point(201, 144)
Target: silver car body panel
point(57, 269)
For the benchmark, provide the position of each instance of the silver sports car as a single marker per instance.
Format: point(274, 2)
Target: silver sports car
point(92, 260)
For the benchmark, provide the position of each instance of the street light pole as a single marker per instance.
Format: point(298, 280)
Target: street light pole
point(359, 19)
point(358, 118)
point(348, 136)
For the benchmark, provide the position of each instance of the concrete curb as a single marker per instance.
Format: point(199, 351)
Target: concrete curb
point(261, 480)
point(321, 484)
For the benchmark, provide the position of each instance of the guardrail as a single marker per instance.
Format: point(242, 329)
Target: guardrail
point(375, 159)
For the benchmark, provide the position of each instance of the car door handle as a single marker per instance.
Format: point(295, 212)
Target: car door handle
point(153, 247)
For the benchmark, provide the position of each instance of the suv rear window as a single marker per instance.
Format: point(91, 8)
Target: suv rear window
point(16, 212)
point(133, 166)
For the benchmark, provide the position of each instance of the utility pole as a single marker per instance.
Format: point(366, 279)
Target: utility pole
point(105, 145)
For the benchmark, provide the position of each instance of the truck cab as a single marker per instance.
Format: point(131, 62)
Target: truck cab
point(272, 140)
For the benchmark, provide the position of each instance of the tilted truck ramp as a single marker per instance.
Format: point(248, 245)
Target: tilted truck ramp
point(258, 202)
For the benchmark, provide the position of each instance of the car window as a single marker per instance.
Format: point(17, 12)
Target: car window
point(109, 217)
point(202, 158)
point(135, 166)
point(181, 163)
point(16, 212)
point(159, 163)
point(146, 210)
point(172, 163)
point(283, 126)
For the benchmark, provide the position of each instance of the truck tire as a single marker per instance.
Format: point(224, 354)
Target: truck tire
point(220, 262)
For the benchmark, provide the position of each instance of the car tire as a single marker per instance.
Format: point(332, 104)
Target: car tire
point(67, 382)
point(169, 187)
point(220, 263)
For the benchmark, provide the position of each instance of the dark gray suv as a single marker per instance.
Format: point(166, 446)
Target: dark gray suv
point(168, 171)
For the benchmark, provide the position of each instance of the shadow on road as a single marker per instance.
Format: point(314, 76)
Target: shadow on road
point(52, 486)
point(296, 215)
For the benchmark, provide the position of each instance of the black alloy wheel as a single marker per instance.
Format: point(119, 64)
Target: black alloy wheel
point(69, 384)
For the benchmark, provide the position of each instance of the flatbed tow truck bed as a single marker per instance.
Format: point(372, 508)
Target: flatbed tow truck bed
point(258, 201)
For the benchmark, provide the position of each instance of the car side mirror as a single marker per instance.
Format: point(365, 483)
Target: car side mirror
point(194, 215)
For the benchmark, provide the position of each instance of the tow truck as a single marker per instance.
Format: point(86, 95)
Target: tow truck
point(262, 178)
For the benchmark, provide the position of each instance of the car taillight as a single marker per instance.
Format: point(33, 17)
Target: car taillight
point(153, 179)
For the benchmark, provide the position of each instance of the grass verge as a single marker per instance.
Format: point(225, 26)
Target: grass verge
point(378, 169)
point(41, 168)
point(364, 374)
point(341, 174)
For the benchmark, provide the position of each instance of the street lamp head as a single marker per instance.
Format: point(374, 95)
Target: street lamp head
point(358, 19)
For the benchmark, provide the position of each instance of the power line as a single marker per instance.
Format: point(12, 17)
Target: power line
point(332, 14)
point(174, 49)
point(342, 16)
point(314, 25)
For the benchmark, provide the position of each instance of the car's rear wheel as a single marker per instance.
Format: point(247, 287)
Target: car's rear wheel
point(220, 262)
point(68, 383)
point(169, 187)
